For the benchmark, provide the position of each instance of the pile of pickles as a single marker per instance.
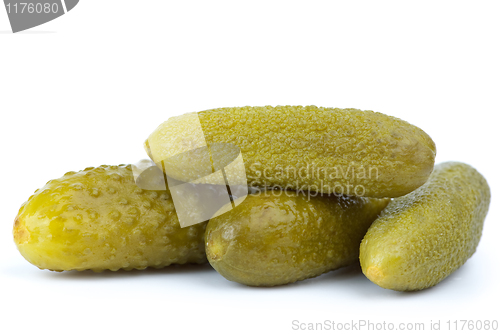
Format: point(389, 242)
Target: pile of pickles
point(324, 188)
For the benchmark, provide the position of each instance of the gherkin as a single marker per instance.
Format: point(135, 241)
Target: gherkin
point(421, 238)
point(330, 150)
point(100, 219)
point(277, 237)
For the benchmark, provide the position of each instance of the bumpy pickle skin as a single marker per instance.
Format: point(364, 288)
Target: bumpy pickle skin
point(278, 238)
point(100, 219)
point(348, 151)
point(421, 238)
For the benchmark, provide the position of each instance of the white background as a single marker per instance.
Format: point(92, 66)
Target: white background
point(89, 87)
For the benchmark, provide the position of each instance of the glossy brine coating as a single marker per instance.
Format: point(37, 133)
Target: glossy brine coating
point(100, 219)
point(348, 151)
point(277, 237)
point(421, 238)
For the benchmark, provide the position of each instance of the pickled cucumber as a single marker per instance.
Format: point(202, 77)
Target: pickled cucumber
point(275, 238)
point(421, 238)
point(100, 219)
point(331, 150)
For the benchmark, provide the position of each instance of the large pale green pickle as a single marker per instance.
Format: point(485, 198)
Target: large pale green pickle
point(100, 219)
point(421, 238)
point(279, 237)
point(331, 150)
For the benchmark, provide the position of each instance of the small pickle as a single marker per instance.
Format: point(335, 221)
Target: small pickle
point(277, 237)
point(100, 219)
point(423, 237)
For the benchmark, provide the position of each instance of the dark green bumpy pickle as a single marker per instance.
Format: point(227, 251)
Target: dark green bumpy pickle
point(100, 219)
point(279, 237)
point(421, 238)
